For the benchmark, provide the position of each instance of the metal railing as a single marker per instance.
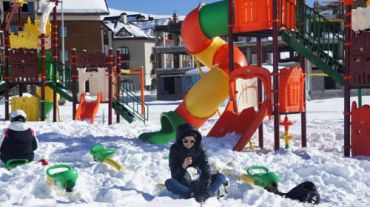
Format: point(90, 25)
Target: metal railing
point(139, 108)
point(64, 75)
point(324, 37)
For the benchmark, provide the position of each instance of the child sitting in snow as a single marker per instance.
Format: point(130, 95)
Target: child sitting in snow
point(190, 171)
point(18, 140)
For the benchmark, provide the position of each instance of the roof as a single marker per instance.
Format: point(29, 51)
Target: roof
point(79, 6)
point(139, 25)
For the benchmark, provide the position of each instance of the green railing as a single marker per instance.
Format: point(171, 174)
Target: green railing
point(322, 37)
point(137, 107)
point(64, 75)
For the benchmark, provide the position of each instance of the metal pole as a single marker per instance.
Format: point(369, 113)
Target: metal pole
point(110, 65)
point(275, 34)
point(142, 83)
point(118, 80)
point(347, 95)
point(43, 76)
point(303, 114)
point(54, 37)
point(74, 82)
point(359, 97)
point(259, 63)
point(6, 73)
point(63, 40)
point(231, 35)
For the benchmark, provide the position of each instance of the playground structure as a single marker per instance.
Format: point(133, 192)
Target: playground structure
point(201, 39)
point(303, 29)
point(29, 62)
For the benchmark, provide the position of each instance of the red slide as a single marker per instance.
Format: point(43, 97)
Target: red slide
point(246, 122)
point(87, 109)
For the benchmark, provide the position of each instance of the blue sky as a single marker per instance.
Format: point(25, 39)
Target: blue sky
point(182, 7)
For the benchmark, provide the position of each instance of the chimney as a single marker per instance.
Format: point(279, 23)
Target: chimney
point(123, 18)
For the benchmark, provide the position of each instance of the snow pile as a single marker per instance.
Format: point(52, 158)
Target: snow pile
point(341, 181)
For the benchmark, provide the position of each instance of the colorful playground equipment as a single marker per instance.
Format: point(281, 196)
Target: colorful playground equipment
point(200, 31)
point(103, 154)
point(359, 73)
point(88, 107)
point(63, 174)
point(23, 64)
point(31, 62)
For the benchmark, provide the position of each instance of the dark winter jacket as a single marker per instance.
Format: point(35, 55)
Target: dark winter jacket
point(178, 153)
point(19, 142)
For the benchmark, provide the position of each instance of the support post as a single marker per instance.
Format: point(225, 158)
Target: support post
point(54, 37)
point(74, 82)
point(6, 73)
point(230, 34)
point(43, 76)
point(303, 114)
point(118, 80)
point(275, 51)
point(259, 63)
point(347, 95)
point(110, 67)
point(142, 84)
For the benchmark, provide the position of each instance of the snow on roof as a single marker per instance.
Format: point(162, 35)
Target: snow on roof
point(138, 24)
point(117, 12)
point(79, 6)
point(133, 30)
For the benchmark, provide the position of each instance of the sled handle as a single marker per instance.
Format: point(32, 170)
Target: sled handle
point(13, 163)
point(257, 167)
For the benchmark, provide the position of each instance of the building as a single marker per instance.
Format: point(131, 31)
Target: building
point(82, 22)
point(133, 34)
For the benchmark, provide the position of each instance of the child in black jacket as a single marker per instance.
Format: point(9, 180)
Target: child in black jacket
point(18, 140)
point(190, 170)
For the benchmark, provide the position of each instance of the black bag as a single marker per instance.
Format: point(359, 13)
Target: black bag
point(305, 192)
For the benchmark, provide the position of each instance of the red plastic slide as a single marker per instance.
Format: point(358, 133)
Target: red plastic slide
point(88, 109)
point(246, 122)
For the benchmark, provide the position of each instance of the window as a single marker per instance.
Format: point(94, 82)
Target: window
point(124, 50)
point(125, 56)
point(123, 33)
point(63, 31)
point(125, 65)
point(29, 7)
point(13, 29)
point(329, 83)
point(6, 6)
point(169, 85)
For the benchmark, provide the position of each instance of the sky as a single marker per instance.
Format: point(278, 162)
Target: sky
point(182, 7)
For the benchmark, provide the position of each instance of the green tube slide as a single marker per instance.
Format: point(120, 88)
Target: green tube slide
point(214, 19)
point(169, 122)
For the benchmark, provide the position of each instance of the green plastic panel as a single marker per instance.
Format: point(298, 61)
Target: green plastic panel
point(214, 19)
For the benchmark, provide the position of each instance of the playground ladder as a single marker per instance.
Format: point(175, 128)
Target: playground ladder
point(315, 37)
point(133, 104)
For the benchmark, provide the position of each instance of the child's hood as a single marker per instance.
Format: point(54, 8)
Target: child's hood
point(18, 126)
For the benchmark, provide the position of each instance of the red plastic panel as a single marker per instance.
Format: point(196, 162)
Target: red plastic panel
point(252, 15)
point(360, 60)
point(291, 90)
point(85, 60)
point(23, 66)
point(360, 130)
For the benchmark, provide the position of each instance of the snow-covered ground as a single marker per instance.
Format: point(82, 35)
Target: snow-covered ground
point(341, 181)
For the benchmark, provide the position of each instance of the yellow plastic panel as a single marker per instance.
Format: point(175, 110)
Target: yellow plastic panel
point(30, 105)
point(206, 56)
point(207, 94)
